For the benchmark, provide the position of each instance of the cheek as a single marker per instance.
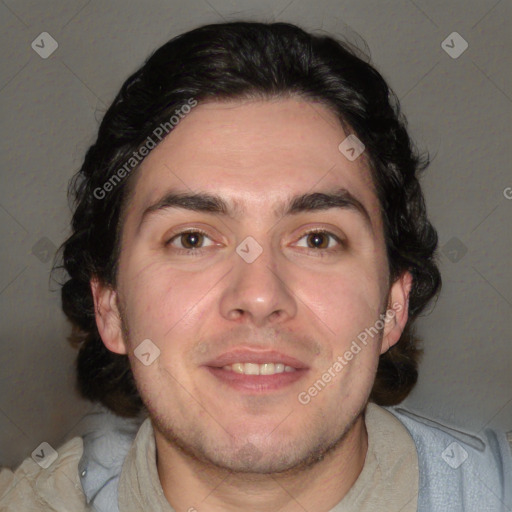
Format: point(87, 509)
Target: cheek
point(349, 303)
point(347, 300)
point(162, 301)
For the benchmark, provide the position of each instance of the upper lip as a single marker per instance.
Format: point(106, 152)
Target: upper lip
point(241, 355)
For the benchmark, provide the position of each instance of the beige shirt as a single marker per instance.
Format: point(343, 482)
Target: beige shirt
point(55, 489)
point(389, 479)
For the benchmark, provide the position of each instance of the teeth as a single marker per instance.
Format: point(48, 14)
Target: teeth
point(259, 369)
point(267, 369)
point(251, 369)
point(237, 367)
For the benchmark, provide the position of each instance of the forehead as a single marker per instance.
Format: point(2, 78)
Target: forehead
point(254, 154)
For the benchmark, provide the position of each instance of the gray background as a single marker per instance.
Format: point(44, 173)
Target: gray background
point(459, 109)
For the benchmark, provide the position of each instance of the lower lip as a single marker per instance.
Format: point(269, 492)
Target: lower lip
point(257, 383)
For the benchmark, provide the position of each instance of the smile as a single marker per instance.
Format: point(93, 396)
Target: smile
point(259, 369)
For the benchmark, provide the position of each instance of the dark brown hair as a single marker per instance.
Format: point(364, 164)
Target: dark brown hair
point(244, 60)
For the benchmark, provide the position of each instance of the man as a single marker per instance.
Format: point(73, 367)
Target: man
point(250, 250)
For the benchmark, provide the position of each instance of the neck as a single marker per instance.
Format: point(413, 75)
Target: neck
point(190, 484)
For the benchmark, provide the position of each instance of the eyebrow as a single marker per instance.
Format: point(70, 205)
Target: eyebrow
point(214, 204)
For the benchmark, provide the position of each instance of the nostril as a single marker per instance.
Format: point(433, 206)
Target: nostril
point(236, 313)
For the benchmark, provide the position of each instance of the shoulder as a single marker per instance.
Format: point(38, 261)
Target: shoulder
point(32, 487)
point(107, 439)
point(459, 470)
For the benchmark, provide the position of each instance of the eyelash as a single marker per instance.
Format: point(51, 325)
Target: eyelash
point(316, 252)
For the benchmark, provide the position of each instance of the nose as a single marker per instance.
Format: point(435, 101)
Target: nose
point(258, 292)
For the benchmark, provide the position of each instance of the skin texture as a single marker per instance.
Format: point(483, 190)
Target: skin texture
point(220, 448)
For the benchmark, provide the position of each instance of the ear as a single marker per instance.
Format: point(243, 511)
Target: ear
point(397, 313)
point(108, 319)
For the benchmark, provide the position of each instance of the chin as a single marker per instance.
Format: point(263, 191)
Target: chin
point(249, 459)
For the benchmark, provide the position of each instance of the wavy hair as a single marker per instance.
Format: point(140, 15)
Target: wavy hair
point(231, 61)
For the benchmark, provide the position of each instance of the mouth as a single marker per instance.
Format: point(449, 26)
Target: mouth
point(259, 369)
point(256, 372)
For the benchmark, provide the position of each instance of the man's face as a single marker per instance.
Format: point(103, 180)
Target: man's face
point(214, 311)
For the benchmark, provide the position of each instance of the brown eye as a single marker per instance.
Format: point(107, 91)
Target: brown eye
point(318, 240)
point(189, 241)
